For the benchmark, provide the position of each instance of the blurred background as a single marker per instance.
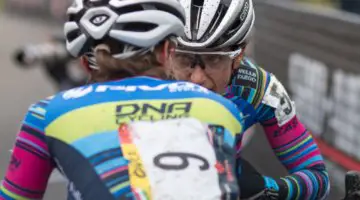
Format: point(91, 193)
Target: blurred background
point(312, 46)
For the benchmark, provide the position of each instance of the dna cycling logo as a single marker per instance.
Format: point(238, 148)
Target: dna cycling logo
point(152, 112)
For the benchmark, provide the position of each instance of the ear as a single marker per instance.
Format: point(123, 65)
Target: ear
point(165, 52)
point(85, 64)
point(238, 59)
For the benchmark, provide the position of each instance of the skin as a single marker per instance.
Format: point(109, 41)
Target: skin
point(215, 76)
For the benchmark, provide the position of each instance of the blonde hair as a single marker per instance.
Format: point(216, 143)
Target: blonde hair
point(111, 68)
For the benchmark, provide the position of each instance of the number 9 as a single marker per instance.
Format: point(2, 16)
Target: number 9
point(184, 158)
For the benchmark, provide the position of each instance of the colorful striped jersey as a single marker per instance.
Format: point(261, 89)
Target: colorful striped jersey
point(81, 132)
point(263, 99)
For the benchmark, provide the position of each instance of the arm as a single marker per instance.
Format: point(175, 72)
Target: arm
point(291, 142)
point(293, 145)
point(30, 165)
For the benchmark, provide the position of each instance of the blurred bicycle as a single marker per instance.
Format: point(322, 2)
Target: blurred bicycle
point(64, 71)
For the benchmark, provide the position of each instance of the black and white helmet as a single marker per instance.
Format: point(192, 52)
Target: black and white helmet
point(217, 23)
point(129, 26)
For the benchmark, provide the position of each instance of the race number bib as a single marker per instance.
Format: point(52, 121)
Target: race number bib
point(179, 160)
point(277, 97)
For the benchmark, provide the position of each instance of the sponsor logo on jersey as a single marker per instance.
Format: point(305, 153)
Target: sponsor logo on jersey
point(152, 112)
point(246, 77)
point(170, 87)
point(77, 92)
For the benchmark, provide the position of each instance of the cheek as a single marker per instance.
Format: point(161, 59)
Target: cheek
point(222, 82)
point(225, 76)
point(222, 79)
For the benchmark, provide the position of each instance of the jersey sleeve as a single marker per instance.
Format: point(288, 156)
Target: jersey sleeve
point(292, 143)
point(246, 89)
point(30, 164)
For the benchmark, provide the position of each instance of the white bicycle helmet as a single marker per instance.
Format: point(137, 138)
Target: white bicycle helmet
point(127, 26)
point(217, 23)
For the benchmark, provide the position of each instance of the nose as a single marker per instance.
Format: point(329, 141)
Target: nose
point(198, 75)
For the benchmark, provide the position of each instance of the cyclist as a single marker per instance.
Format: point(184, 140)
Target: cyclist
point(130, 135)
point(211, 54)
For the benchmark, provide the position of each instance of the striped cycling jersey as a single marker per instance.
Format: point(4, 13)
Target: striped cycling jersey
point(263, 99)
point(78, 132)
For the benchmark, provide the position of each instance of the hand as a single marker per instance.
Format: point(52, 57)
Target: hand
point(252, 184)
